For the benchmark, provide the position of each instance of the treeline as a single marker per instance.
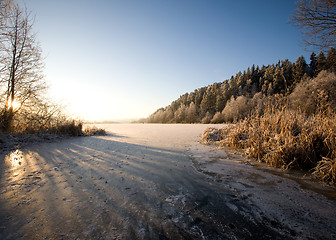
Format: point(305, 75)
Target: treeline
point(238, 97)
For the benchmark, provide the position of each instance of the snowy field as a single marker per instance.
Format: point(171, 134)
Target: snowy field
point(146, 181)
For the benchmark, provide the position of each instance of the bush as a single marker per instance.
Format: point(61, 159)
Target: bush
point(93, 131)
point(69, 128)
point(312, 95)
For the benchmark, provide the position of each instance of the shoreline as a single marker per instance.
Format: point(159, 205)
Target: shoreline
point(295, 201)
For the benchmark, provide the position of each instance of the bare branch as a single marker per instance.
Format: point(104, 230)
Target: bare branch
point(317, 21)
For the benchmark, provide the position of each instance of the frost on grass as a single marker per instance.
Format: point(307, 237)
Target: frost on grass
point(286, 138)
point(210, 135)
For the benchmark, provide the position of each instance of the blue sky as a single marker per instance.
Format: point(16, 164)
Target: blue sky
point(117, 59)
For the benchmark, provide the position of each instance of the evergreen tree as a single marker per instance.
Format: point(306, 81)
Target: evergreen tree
point(220, 104)
point(199, 96)
point(233, 86)
point(331, 59)
point(321, 62)
point(299, 70)
point(255, 77)
point(287, 73)
point(313, 65)
point(208, 103)
point(278, 81)
point(269, 77)
point(191, 98)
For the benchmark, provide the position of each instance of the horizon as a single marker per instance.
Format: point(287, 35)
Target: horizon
point(113, 60)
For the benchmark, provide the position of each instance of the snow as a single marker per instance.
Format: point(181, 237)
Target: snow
point(149, 181)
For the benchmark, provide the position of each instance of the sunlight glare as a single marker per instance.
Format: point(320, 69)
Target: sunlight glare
point(15, 104)
point(15, 158)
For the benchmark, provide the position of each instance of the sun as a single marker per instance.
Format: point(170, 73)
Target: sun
point(15, 104)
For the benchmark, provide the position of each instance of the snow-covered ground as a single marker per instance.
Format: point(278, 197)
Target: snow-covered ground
point(147, 181)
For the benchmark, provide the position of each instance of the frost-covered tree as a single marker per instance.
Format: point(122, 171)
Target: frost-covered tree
point(191, 113)
point(207, 118)
point(217, 118)
point(311, 93)
point(180, 114)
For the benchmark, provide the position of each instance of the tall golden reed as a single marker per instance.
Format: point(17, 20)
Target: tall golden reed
point(286, 138)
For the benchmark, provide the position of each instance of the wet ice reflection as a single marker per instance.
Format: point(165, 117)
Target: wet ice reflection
point(14, 159)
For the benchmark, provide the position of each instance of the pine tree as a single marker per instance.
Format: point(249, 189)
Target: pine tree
point(199, 96)
point(220, 104)
point(287, 73)
point(208, 103)
point(299, 70)
point(278, 81)
point(313, 64)
point(331, 59)
point(321, 62)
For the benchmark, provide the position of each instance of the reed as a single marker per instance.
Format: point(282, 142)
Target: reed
point(286, 138)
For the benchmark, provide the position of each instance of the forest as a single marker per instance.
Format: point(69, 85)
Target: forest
point(243, 94)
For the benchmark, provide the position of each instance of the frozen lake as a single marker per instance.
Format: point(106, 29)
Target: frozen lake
point(145, 181)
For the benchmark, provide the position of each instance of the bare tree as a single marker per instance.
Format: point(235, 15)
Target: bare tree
point(21, 64)
point(317, 20)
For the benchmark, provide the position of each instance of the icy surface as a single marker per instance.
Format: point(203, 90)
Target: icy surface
point(155, 182)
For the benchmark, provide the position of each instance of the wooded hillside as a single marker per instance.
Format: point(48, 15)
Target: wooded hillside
point(240, 95)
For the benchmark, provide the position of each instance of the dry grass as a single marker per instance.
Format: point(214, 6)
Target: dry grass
point(93, 131)
point(63, 127)
point(287, 139)
point(69, 128)
point(326, 170)
point(75, 128)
